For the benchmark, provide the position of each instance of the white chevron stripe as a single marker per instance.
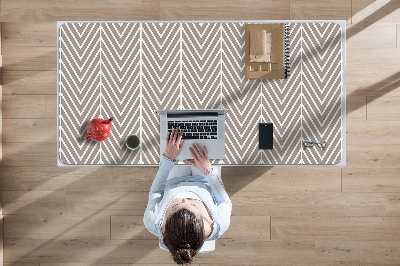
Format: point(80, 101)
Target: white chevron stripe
point(321, 68)
point(336, 116)
point(202, 87)
point(80, 87)
point(164, 27)
point(155, 47)
point(164, 102)
point(128, 37)
point(74, 52)
point(80, 111)
point(237, 81)
point(320, 156)
point(87, 153)
point(192, 61)
point(213, 33)
point(125, 57)
point(315, 85)
point(164, 63)
point(74, 64)
point(319, 51)
point(311, 94)
point(110, 81)
point(158, 73)
point(75, 42)
point(326, 39)
point(126, 108)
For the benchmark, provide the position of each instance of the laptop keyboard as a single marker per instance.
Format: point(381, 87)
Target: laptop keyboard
point(196, 129)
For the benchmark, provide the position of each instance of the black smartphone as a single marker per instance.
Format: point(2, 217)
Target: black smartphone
point(265, 136)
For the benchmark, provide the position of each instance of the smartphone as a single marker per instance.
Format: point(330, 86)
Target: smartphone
point(265, 136)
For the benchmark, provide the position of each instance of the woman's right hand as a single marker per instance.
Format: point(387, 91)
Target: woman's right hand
point(174, 144)
point(200, 159)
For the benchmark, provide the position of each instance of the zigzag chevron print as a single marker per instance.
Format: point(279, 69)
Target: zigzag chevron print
point(128, 70)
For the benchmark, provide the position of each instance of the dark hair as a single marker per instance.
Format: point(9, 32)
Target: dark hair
point(184, 235)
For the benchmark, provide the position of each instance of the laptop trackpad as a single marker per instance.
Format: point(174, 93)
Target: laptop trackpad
point(210, 145)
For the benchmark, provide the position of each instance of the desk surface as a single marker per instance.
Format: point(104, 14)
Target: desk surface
point(127, 70)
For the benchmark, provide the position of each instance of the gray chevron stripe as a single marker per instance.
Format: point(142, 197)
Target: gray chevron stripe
point(128, 70)
point(201, 59)
point(79, 90)
point(281, 105)
point(322, 80)
point(241, 96)
point(120, 89)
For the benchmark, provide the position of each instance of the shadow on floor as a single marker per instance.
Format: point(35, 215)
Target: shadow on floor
point(382, 12)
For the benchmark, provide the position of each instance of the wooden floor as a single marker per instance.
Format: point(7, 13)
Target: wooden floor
point(281, 215)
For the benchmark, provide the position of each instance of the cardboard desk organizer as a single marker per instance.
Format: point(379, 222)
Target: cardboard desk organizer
point(266, 51)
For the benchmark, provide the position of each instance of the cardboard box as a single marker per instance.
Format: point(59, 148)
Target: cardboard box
point(264, 51)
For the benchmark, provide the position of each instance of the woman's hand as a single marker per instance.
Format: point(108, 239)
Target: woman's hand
point(174, 145)
point(200, 159)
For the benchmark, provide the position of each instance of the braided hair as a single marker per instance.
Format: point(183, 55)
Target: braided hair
point(184, 235)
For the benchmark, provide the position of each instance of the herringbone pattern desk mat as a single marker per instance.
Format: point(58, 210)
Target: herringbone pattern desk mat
point(128, 70)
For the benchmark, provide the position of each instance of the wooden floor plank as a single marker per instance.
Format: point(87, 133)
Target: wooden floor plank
point(24, 106)
point(79, 179)
point(30, 82)
point(356, 108)
point(114, 264)
point(21, 264)
point(50, 226)
point(29, 34)
point(30, 154)
point(49, 10)
point(29, 58)
point(335, 228)
point(16, 130)
point(147, 251)
point(369, 155)
point(128, 227)
point(371, 12)
point(107, 203)
point(364, 252)
point(284, 179)
point(309, 204)
point(383, 108)
point(51, 106)
point(323, 9)
point(373, 132)
point(365, 80)
point(380, 180)
point(33, 202)
point(259, 252)
point(224, 9)
point(89, 251)
point(39, 62)
point(358, 6)
point(249, 227)
point(393, 204)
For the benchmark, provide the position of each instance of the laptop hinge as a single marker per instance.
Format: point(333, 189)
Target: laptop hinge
point(192, 114)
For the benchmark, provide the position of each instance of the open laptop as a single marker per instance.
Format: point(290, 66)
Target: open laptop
point(204, 127)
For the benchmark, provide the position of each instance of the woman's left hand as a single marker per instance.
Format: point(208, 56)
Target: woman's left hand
point(174, 144)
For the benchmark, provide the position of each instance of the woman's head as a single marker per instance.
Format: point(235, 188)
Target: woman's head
point(184, 235)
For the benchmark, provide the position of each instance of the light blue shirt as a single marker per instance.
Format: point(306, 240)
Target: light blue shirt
point(209, 188)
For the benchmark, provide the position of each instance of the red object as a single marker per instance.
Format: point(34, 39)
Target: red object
point(99, 129)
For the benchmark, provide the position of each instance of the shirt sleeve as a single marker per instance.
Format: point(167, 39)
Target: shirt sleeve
point(222, 199)
point(156, 194)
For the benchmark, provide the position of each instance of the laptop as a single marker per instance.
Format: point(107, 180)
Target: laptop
point(204, 127)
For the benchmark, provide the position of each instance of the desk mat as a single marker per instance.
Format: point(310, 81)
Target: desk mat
point(127, 70)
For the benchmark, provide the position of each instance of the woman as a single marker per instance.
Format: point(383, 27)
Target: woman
point(187, 210)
